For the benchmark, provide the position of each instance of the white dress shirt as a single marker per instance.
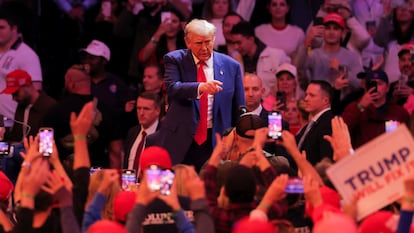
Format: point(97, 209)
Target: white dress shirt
point(133, 151)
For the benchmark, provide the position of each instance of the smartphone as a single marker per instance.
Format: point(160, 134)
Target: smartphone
point(370, 84)
point(343, 69)
point(128, 179)
point(318, 21)
point(153, 178)
point(294, 185)
point(106, 9)
point(4, 148)
point(167, 179)
point(93, 170)
point(275, 125)
point(166, 16)
point(46, 141)
point(281, 97)
point(391, 126)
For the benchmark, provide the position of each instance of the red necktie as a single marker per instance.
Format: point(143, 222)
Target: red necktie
point(201, 132)
point(139, 150)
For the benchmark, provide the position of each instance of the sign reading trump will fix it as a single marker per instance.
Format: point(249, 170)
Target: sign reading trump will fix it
point(375, 174)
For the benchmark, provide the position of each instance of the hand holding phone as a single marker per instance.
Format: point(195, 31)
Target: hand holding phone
point(46, 141)
point(275, 125)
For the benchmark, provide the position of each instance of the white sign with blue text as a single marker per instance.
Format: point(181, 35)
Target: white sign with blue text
point(375, 174)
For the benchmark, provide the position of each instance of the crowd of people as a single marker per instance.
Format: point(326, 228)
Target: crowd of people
point(191, 90)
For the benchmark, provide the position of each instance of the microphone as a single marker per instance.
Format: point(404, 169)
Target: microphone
point(26, 127)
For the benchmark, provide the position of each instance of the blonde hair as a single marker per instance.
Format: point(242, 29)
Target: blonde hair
point(199, 27)
point(110, 193)
point(181, 173)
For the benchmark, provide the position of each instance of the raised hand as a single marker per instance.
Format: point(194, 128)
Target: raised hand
point(340, 140)
point(80, 124)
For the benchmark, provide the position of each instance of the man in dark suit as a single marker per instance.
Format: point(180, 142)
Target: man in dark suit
point(148, 113)
point(310, 139)
point(205, 90)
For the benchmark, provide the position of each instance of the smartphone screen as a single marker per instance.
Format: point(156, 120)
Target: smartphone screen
point(294, 185)
point(391, 126)
point(4, 148)
point(129, 179)
point(46, 141)
point(275, 125)
point(167, 179)
point(153, 178)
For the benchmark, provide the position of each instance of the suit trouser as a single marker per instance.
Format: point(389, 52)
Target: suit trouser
point(197, 155)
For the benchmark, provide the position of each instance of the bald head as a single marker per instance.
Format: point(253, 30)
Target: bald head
point(77, 80)
point(253, 91)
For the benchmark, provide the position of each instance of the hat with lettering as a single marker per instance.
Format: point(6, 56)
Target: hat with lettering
point(15, 80)
point(155, 155)
point(106, 226)
point(99, 49)
point(406, 48)
point(334, 18)
point(286, 67)
point(373, 75)
point(247, 225)
point(123, 203)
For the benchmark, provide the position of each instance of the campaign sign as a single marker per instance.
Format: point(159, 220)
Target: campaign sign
point(375, 174)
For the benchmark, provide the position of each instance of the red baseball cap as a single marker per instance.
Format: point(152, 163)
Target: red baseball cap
point(334, 18)
point(106, 226)
point(155, 155)
point(380, 221)
point(15, 80)
point(406, 48)
point(247, 225)
point(123, 203)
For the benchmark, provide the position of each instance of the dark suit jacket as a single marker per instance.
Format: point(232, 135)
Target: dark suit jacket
point(129, 141)
point(315, 145)
point(179, 126)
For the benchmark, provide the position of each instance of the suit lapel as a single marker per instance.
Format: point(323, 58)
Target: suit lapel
point(190, 68)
